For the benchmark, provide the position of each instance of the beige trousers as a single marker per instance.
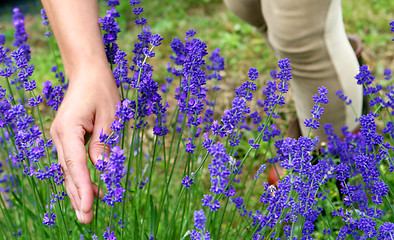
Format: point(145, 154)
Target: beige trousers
point(312, 35)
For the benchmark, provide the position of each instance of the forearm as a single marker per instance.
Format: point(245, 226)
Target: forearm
point(75, 26)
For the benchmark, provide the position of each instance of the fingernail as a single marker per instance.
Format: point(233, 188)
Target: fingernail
point(79, 216)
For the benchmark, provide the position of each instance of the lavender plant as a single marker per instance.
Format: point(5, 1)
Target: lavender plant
point(179, 169)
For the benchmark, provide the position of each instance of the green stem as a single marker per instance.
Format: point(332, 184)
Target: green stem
point(173, 217)
point(6, 216)
point(221, 219)
point(10, 90)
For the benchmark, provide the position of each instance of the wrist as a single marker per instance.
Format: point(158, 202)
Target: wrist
point(89, 69)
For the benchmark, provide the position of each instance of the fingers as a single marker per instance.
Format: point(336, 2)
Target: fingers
point(96, 191)
point(72, 157)
point(68, 182)
point(75, 159)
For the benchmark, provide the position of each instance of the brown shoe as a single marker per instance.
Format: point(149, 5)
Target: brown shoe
point(357, 47)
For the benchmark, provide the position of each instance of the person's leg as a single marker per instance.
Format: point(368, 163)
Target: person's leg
point(249, 11)
point(311, 34)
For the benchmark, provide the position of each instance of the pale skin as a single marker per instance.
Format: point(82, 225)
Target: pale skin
point(89, 104)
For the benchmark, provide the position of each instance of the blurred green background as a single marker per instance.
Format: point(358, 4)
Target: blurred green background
point(241, 46)
point(214, 24)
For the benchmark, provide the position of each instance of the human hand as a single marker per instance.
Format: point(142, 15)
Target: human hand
point(88, 107)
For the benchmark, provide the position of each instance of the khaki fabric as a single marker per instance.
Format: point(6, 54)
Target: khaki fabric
point(312, 35)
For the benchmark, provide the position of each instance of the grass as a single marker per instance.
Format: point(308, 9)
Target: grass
point(241, 46)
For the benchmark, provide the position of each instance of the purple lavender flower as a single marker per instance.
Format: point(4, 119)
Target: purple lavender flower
point(245, 91)
point(271, 99)
point(3, 55)
point(312, 123)
point(377, 100)
point(49, 219)
point(192, 93)
point(380, 189)
point(260, 171)
point(322, 96)
point(36, 153)
point(56, 197)
point(34, 101)
point(190, 147)
point(2, 40)
point(111, 27)
point(235, 115)
point(190, 33)
point(54, 171)
point(195, 235)
point(269, 132)
point(112, 2)
point(30, 85)
point(108, 234)
point(59, 75)
point(369, 130)
point(207, 201)
point(386, 230)
point(253, 144)
point(45, 22)
point(364, 76)
point(135, 2)
point(342, 96)
point(21, 59)
point(155, 40)
point(149, 100)
point(317, 110)
point(187, 181)
point(125, 110)
point(343, 172)
point(160, 130)
point(19, 233)
point(141, 21)
point(121, 70)
point(219, 170)
point(387, 74)
point(113, 175)
point(389, 129)
point(44, 17)
point(295, 154)
point(368, 226)
point(284, 75)
point(53, 94)
point(143, 183)
point(208, 119)
point(199, 219)
point(20, 36)
point(253, 73)
point(138, 10)
point(217, 65)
